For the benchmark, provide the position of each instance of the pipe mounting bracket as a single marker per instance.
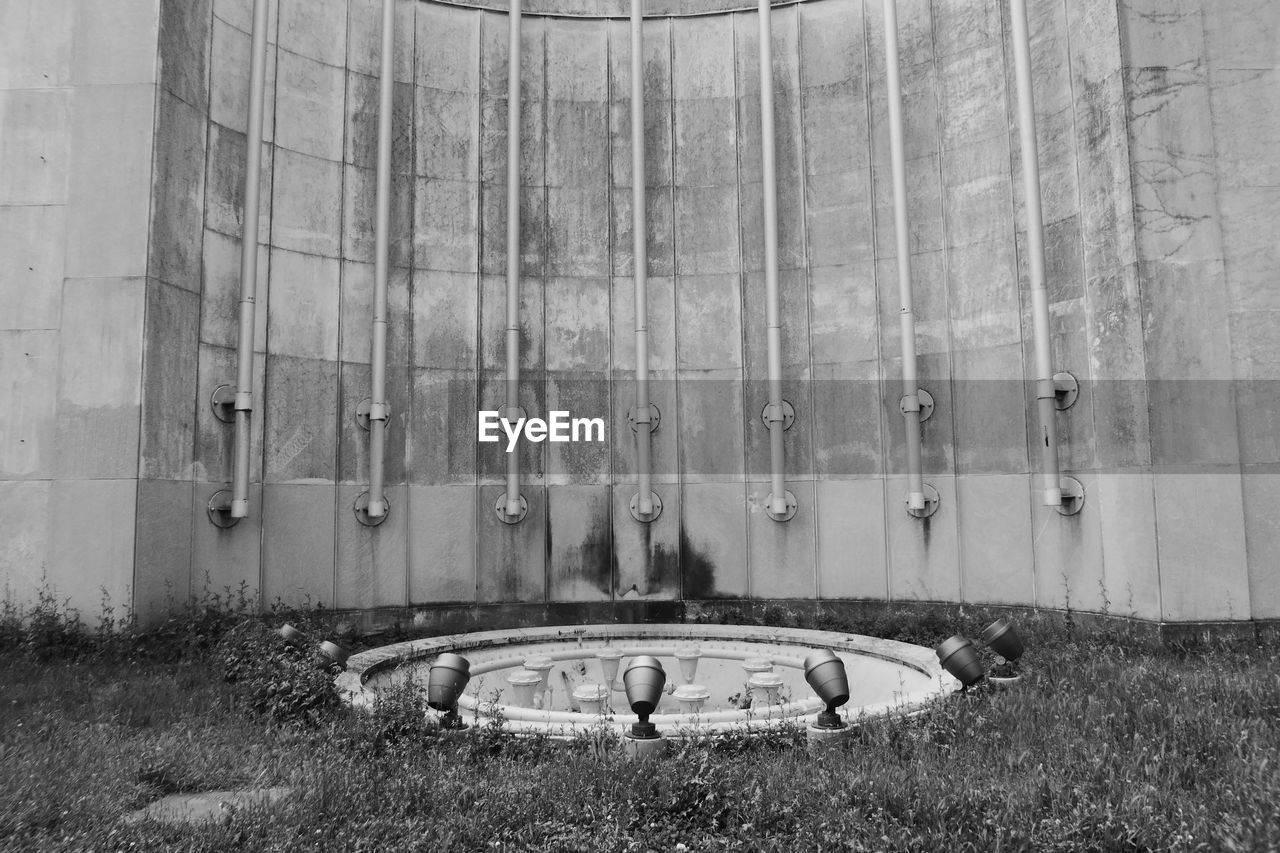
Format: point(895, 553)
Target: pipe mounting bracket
point(792, 505)
point(365, 414)
point(1066, 390)
point(652, 516)
point(219, 509)
point(932, 500)
point(223, 403)
point(501, 508)
point(655, 417)
point(788, 415)
point(925, 403)
point(361, 510)
point(1072, 496)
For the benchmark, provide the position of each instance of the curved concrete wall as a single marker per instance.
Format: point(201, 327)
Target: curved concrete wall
point(1140, 546)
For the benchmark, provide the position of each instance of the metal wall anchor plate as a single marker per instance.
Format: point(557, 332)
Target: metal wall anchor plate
point(223, 403)
point(361, 509)
point(362, 415)
point(1067, 390)
point(932, 500)
point(219, 509)
point(1072, 496)
point(641, 517)
point(501, 508)
point(788, 415)
point(926, 404)
point(655, 418)
point(792, 505)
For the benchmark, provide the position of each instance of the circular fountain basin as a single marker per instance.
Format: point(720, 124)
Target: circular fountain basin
point(885, 677)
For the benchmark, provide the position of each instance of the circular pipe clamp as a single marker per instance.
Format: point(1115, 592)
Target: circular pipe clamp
point(363, 410)
point(788, 415)
point(655, 418)
point(641, 517)
point(1072, 496)
point(501, 508)
point(361, 509)
point(1066, 390)
point(223, 403)
point(932, 500)
point(219, 509)
point(926, 404)
point(792, 505)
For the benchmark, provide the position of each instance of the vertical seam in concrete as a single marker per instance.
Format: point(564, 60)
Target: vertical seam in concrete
point(609, 272)
point(1087, 368)
point(477, 501)
point(266, 362)
point(811, 426)
point(886, 527)
point(542, 454)
point(675, 319)
point(946, 296)
point(410, 175)
point(1009, 91)
point(743, 314)
point(337, 415)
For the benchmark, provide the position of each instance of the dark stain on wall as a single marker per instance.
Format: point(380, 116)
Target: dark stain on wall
point(699, 575)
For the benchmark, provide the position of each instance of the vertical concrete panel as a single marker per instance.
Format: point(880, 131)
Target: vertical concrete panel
point(214, 450)
point(229, 66)
point(177, 209)
point(442, 544)
point(300, 415)
point(781, 555)
point(224, 185)
point(511, 558)
point(102, 542)
point(309, 106)
point(185, 40)
point(1127, 514)
point(1068, 550)
point(924, 554)
point(442, 438)
point(162, 565)
point(28, 403)
point(32, 238)
point(38, 128)
point(646, 557)
point(99, 378)
point(225, 561)
point(115, 42)
point(372, 562)
point(1262, 541)
point(315, 29)
point(995, 537)
point(989, 411)
point(577, 344)
point(307, 204)
point(169, 381)
point(356, 306)
point(109, 181)
point(355, 384)
point(34, 63)
point(24, 540)
point(1200, 525)
point(299, 280)
point(298, 544)
point(847, 421)
point(713, 541)
point(851, 556)
point(579, 543)
point(797, 388)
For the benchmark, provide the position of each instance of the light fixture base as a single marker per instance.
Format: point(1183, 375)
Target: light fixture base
point(1066, 390)
point(926, 404)
point(223, 403)
point(655, 418)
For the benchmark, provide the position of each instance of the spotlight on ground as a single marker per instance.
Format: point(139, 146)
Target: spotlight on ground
point(643, 681)
point(334, 652)
point(1002, 638)
point(826, 674)
point(960, 658)
point(446, 680)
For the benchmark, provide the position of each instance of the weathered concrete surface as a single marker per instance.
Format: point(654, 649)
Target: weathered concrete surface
point(121, 171)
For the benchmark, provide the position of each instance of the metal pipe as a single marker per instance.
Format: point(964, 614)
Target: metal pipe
point(249, 263)
point(910, 386)
point(382, 248)
point(513, 251)
point(640, 245)
point(769, 180)
point(1045, 390)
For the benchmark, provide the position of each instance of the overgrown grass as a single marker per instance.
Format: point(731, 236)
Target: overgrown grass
point(1106, 745)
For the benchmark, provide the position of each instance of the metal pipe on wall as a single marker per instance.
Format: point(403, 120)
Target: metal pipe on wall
point(512, 507)
point(644, 508)
point(781, 506)
point(1049, 388)
point(249, 263)
point(917, 502)
point(376, 507)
